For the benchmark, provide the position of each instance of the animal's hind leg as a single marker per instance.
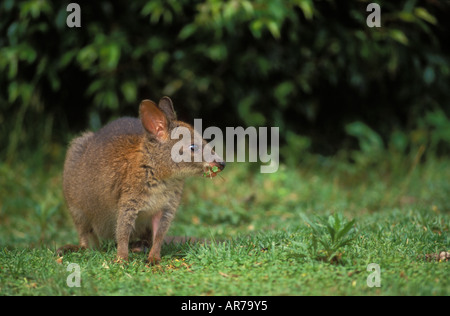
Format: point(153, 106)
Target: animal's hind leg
point(85, 234)
point(88, 239)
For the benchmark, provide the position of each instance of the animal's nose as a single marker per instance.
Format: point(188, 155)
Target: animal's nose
point(222, 164)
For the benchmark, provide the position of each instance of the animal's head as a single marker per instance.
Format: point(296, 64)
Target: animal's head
point(178, 146)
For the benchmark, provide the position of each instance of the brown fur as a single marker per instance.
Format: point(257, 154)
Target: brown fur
point(121, 183)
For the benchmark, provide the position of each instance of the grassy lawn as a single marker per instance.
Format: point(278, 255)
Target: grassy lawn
point(267, 233)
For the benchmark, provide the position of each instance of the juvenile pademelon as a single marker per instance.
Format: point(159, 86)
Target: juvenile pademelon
point(121, 182)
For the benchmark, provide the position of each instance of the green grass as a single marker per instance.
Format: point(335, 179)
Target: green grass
point(262, 229)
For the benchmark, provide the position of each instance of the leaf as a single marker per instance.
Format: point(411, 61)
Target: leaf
point(425, 15)
point(87, 56)
point(217, 52)
point(406, 16)
point(282, 91)
point(330, 227)
point(399, 36)
point(13, 91)
point(341, 233)
point(66, 58)
point(307, 8)
point(325, 244)
point(129, 91)
point(27, 53)
point(337, 222)
point(110, 55)
point(256, 28)
point(343, 243)
point(160, 61)
point(95, 86)
point(13, 67)
point(369, 140)
point(247, 6)
point(187, 31)
point(54, 80)
point(311, 224)
point(274, 29)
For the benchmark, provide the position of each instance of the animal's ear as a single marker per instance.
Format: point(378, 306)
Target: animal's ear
point(166, 105)
point(154, 120)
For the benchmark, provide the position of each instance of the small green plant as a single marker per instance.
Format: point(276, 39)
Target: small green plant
point(332, 234)
point(210, 171)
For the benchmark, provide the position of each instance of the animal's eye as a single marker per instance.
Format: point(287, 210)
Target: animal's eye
point(193, 147)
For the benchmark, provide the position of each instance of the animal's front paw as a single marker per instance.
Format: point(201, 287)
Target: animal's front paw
point(121, 259)
point(154, 259)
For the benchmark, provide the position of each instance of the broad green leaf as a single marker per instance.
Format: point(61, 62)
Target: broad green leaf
point(425, 15)
point(274, 29)
point(187, 31)
point(307, 8)
point(399, 36)
point(129, 91)
point(341, 233)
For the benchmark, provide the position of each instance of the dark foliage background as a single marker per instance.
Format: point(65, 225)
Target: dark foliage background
point(313, 68)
